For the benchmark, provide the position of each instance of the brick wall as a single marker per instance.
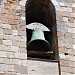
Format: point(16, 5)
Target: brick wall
point(13, 52)
point(65, 10)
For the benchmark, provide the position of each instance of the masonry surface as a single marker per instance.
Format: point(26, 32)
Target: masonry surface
point(13, 53)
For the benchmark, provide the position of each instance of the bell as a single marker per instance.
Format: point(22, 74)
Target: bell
point(38, 41)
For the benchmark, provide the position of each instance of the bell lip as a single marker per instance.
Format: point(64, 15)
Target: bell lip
point(45, 41)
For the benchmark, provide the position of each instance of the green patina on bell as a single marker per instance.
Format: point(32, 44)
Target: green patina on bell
point(38, 41)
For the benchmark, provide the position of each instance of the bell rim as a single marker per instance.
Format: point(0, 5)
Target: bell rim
point(47, 43)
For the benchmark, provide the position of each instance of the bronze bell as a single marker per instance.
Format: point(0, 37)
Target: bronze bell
point(38, 41)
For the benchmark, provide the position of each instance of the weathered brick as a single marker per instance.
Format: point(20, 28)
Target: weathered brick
point(71, 25)
point(7, 61)
point(23, 18)
point(3, 67)
point(5, 26)
point(70, 70)
point(22, 3)
point(12, 12)
point(7, 32)
point(63, 68)
point(64, 63)
point(23, 8)
point(71, 1)
point(65, 73)
point(4, 20)
point(65, 19)
point(17, 62)
point(72, 64)
point(23, 38)
point(7, 6)
point(1, 60)
point(71, 30)
point(14, 27)
point(10, 55)
point(0, 1)
point(15, 49)
point(5, 48)
point(16, 38)
point(21, 55)
point(7, 42)
point(10, 16)
point(61, 3)
point(72, 14)
point(71, 20)
point(70, 51)
point(14, 6)
point(21, 69)
point(24, 62)
point(21, 44)
point(74, 51)
point(70, 57)
point(14, 32)
point(62, 56)
point(1, 73)
point(23, 28)
point(5, 11)
point(65, 14)
point(1, 41)
point(69, 40)
point(13, 22)
point(23, 50)
point(67, 4)
point(73, 10)
point(73, 46)
point(21, 33)
point(1, 31)
point(67, 9)
point(3, 54)
point(10, 67)
point(73, 35)
point(10, 1)
point(73, 4)
point(63, 49)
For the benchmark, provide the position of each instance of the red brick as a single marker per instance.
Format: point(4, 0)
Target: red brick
point(13, 21)
point(7, 6)
point(4, 20)
point(71, 20)
point(9, 16)
point(5, 11)
point(60, 34)
point(14, 6)
point(65, 14)
point(63, 49)
point(17, 17)
point(64, 62)
point(13, 17)
point(12, 12)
